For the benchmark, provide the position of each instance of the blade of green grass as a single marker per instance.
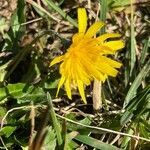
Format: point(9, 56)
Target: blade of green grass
point(103, 13)
point(133, 42)
point(136, 106)
point(136, 83)
point(144, 51)
point(18, 18)
point(61, 12)
point(126, 140)
point(127, 68)
point(41, 11)
point(95, 143)
point(55, 122)
point(3, 71)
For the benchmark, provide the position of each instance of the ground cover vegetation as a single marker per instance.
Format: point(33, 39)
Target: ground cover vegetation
point(74, 75)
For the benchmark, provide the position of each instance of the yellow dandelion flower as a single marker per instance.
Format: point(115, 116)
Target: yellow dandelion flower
point(85, 59)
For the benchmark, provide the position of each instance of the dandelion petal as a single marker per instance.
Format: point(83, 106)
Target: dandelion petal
point(94, 29)
point(106, 36)
point(61, 82)
point(82, 20)
point(68, 89)
point(56, 60)
point(115, 45)
point(81, 90)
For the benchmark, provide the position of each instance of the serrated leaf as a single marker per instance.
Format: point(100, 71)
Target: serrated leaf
point(21, 92)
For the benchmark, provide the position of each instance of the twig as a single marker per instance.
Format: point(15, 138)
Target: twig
point(11, 110)
point(3, 143)
point(42, 9)
point(115, 139)
point(51, 4)
point(104, 129)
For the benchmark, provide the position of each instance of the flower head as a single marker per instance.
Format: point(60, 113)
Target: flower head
point(85, 59)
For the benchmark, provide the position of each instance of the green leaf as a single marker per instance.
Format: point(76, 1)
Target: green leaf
point(33, 94)
point(145, 123)
point(95, 143)
point(15, 23)
point(7, 131)
point(25, 148)
point(50, 140)
point(133, 43)
point(21, 92)
point(3, 70)
point(117, 5)
point(51, 4)
point(126, 139)
point(55, 122)
point(136, 106)
point(136, 83)
point(14, 90)
point(144, 132)
point(3, 111)
point(69, 144)
point(52, 80)
point(74, 127)
point(144, 51)
point(4, 25)
point(72, 145)
point(18, 17)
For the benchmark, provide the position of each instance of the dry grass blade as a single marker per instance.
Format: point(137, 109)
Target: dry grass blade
point(41, 133)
